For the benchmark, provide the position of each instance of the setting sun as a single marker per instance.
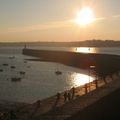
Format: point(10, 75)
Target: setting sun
point(85, 16)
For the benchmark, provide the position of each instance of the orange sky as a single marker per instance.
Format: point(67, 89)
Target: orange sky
point(52, 20)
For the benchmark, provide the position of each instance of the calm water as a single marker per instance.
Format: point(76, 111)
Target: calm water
point(40, 80)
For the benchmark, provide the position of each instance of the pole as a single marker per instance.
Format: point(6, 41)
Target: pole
point(90, 67)
point(89, 79)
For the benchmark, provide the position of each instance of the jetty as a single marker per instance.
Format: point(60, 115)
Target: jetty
point(105, 64)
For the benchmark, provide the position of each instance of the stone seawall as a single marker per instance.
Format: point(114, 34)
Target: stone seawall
point(105, 64)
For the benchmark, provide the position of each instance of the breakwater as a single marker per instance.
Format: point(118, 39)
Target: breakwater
point(104, 64)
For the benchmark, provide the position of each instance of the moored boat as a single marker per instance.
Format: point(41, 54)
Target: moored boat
point(13, 67)
point(1, 70)
point(5, 64)
point(15, 79)
point(22, 72)
point(58, 72)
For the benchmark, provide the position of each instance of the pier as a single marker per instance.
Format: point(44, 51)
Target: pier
point(105, 64)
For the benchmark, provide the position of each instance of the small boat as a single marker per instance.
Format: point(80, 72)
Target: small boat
point(5, 64)
point(25, 61)
point(58, 72)
point(15, 79)
point(13, 67)
point(1, 70)
point(22, 72)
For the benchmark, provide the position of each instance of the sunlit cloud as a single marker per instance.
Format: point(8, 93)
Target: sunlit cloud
point(100, 18)
point(105, 18)
point(49, 25)
point(42, 26)
point(116, 16)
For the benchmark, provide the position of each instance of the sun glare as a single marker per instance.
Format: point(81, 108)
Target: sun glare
point(81, 79)
point(83, 49)
point(85, 16)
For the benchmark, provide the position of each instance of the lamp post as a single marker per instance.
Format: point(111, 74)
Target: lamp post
point(90, 67)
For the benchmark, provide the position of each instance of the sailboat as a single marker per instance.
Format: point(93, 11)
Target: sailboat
point(57, 72)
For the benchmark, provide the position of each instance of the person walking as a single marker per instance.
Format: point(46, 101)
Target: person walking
point(58, 96)
point(65, 96)
point(73, 92)
point(69, 96)
point(86, 89)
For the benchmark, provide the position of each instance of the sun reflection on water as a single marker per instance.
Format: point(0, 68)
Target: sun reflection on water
point(85, 50)
point(80, 79)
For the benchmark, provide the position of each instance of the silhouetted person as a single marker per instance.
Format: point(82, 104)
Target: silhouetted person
point(96, 84)
point(69, 96)
point(65, 96)
point(104, 79)
point(58, 96)
point(86, 90)
point(57, 100)
point(73, 92)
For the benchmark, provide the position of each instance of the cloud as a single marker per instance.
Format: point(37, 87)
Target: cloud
point(48, 25)
point(106, 18)
point(41, 26)
point(101, 18)
point(116, 16)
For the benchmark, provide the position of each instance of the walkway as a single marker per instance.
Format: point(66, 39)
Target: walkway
point(72, 107)
point(53, 109)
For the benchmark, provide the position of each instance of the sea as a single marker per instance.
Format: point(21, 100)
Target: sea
point(38, 79)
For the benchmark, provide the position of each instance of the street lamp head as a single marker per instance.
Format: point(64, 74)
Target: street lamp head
point(92, 66)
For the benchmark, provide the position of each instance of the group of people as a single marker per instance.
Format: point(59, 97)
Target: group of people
point(68, 95)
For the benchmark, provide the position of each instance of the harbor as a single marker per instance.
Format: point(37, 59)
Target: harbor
point(59, 107)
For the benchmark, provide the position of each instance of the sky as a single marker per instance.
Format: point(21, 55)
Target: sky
point(52, 20)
